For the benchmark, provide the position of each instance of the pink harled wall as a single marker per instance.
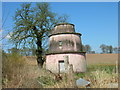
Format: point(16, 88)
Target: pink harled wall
point(77, 60)
point(63, 37)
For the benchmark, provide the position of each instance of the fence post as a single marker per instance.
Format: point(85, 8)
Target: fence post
point(69, 72)
point(71, 79)
point(117, 66)
point(66, 60)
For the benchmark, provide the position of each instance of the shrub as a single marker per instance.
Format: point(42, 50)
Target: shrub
point(12, 66)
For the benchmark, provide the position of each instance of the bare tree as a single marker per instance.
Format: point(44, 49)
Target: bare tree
point(32, 26)
point(110, 48)
point(87, 48)
point(115, 49)
point(103, 48)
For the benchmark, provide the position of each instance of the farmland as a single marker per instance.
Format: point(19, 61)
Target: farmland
point(92, 59)
point(109, 59)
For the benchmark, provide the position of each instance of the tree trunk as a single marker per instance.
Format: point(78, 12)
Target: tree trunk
point(39, 53)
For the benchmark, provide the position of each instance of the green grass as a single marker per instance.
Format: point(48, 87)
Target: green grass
point(99, 75)
point(46, 80)
point(107, 68)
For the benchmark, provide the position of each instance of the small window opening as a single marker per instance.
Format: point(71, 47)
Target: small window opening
point(60, 43)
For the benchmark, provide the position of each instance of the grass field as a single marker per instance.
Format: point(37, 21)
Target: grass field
point(100, 72)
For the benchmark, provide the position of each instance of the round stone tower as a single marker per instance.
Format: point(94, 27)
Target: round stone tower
point(64, 41)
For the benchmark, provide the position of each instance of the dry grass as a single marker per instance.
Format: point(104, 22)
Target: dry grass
point(98, 79)
point(25, 73)
point(17, 73)
point(12, 68)
point(101, 79)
